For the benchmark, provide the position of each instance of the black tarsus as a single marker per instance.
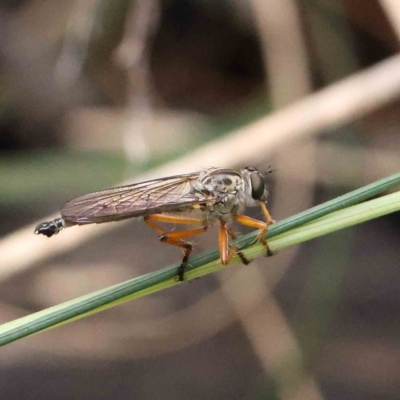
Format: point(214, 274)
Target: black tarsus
point(181, 272)
point(243, 258)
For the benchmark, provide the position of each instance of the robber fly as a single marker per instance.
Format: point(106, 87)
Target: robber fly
point(216, 194)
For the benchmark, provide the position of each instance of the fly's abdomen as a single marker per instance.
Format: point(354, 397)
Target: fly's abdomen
point(50, 228)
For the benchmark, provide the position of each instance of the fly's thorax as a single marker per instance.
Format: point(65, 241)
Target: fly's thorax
point(219, 181)
point(230, 192)
point(226, 186)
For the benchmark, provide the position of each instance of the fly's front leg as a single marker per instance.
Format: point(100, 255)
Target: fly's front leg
point(266, 213)
point(255, 223)
point(174, 238)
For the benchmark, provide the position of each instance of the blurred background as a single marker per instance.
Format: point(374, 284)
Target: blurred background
point(94, 93)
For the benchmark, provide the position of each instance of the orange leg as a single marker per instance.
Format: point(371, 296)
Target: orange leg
point(255, 223)
point(223, 244)
point(266, 213)
point(226, 254)
point(174, 238)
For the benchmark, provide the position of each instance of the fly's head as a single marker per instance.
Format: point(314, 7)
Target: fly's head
point(255, 187)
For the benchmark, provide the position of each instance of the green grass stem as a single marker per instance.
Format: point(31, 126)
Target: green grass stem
point(328, 217)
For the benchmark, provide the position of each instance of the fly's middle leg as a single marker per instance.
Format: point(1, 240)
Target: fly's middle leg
point(174, 238)
point(226, 254)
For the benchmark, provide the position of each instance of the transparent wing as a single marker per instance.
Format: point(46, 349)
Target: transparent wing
point(174, 193)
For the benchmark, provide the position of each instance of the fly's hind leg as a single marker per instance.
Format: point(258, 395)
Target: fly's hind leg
point(174, 238)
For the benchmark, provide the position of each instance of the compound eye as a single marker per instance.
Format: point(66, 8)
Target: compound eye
point(257, 186)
